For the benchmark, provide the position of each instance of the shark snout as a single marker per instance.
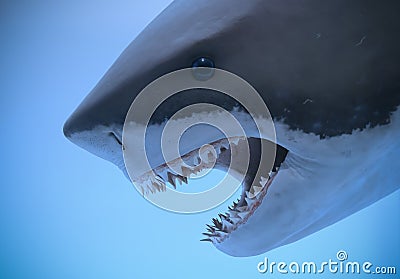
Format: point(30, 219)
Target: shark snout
point(104, 141)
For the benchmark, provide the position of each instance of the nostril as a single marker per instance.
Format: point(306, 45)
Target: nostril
point(112, 134)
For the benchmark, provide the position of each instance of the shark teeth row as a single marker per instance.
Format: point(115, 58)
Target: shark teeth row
point(150, 183)
point(236, 215)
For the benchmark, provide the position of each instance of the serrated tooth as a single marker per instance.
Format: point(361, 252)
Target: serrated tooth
point(250, 195)
point(225, 144)
point(233, 214)
point(178, 177)
point(196, 160)
point(222, 233)
point(222, 216)
point(171, 179)
point(161, 185)
point(228, 218)
point(257, 189)
point(155, 185)
point(242, 209)
point(242, 215)
point(150, 189)
point(206, 239)
point(186, 171)
point(263, 181)
point(217, 223)
point(210, 228)
point(235, 141)
point(147, 185)
point(209, 234)
point(164, 186)
point(250, 201)
point(235, 219)
point(226, 224)
point(159, 178)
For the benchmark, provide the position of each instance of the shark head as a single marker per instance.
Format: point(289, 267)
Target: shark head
point(329, 73)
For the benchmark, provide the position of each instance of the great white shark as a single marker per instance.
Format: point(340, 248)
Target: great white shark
point(329, 72)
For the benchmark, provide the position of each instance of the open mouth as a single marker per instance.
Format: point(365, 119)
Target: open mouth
point(218, 155)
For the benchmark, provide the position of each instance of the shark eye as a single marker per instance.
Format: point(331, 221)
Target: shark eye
point(203, 69)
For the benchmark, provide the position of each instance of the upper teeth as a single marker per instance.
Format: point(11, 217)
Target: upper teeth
point(203, 159)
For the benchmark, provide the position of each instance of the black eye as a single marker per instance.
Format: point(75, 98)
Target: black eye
point(203, 69)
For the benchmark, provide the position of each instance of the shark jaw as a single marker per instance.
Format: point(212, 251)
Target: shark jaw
point(315, 182)
point(219, 156)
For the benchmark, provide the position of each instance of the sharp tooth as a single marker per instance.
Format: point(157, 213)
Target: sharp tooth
point(147, 185)
point(250, 201)
point(161, 185)
point(222, 216)
point(206, 239)
point(250, 195)
point(229, 219)
point(222, 233)
point(186, 171)
point(257, 189)
point(233, 213)
point(178, 177)
point(242, 215)
point(226, 225)
point(181, 179)
point(159, 178)
point(164, 186)
point(209, 234)
point(155, 185)
point(217, 223)
point(263, 181)
point(225, 144)
point(242, 208)
point(171, 179)
point(235, 141)
point(235, 219)
point(196, 160)
point(210, 228)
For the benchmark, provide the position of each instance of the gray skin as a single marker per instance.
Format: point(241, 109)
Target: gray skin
point(325, 68)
